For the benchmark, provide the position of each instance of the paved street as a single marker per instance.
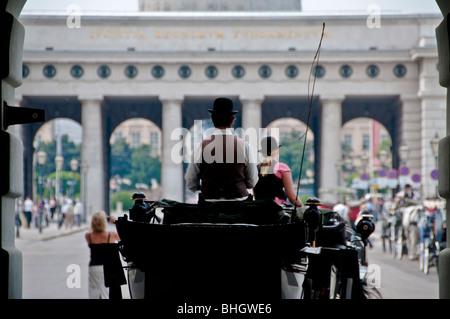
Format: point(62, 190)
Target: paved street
point(46, 258)
point(401, 279)
point(45, 265)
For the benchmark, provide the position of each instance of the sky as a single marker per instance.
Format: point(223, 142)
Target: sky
point(413, 6)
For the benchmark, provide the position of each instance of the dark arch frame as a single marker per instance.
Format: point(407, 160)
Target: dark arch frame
point(385, 109)
point(274, 108)
point(55, 107)
point(116, 110)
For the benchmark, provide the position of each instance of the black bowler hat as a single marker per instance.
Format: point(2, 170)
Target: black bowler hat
point(268, 145)
point(223, 105)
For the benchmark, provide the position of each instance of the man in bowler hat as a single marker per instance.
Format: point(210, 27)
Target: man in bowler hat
point(224, 168)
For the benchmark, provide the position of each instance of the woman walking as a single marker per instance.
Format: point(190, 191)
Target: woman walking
point(95, 238)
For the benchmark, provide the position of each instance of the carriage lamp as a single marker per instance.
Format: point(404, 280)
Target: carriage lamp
point(404, 153)
point(434, 143)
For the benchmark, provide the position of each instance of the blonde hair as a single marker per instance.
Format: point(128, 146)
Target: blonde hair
point(265, 165)
point(98, 223)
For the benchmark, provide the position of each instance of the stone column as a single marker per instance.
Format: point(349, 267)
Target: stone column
point(433, 122)
point(252, 122)
point(172, 182)
point(444, 147)
point(92, 154)
point(330, 148)
point(433, 106)
point(411, 130)
point(251, 113)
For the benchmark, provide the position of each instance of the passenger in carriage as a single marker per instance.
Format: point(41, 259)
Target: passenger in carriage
point(275, 178)
point(223, 168)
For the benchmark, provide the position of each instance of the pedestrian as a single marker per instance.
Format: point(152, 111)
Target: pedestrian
point(69, 216)
point(274, 177)
point(222, 168)
point(95, 238)
point(28, 210)
point(52, 207)
point(342, 210)
point(65, 205)
point(19, 212)
point(78, 211)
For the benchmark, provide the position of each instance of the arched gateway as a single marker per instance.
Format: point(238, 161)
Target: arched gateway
point(168, 68)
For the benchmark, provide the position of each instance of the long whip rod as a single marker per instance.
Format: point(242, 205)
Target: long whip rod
point(310, 99)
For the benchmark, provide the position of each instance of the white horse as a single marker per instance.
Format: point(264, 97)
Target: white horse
point(412, 216)
point(410, 221)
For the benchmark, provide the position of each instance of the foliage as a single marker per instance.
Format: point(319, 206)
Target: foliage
point(121, 158)
point(124, 197)
point(66, 182)
point(135, 164)
point(70, 151)
point(144, 167)
point(291, 154)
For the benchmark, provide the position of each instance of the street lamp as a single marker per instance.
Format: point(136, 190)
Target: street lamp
point(404, 153)
point(383, 156)
point(41, 159)
point(59, 161)
point(339, 165)
point(364, 162)
point(434, 143)
point(74, 168)
point(84, 169)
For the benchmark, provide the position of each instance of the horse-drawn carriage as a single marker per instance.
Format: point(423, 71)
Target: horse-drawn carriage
point(415, 228)
point(255, 250)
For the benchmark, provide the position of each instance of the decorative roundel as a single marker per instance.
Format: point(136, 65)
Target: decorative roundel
point(291, 71)
point(399, 70)
point(76, 71)
point(184, 71)
point(103, 71)
point(131, 71)
point(372, 70)
point(345, 71)
point(25, 70)
point(265, 71)
point(319, 71)
point(211, 71)
point(49, 71)
point(158, 71)
point(238, 71)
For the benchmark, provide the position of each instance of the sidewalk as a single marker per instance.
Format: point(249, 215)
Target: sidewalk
point(48, 233)
point(52, 231)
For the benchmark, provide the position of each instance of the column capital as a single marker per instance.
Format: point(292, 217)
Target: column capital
point(254, 99)
point(90, 97)
point(171, 98)
point(409, 97)
point(332, 98)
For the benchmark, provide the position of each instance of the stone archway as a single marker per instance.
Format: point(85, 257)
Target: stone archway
point(115, 110)
point(298, 108)
point(55, 107)
point(386, 109)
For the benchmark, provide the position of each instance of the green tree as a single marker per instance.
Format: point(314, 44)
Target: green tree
point(70, 150)
point(143, 166)
point(121, 158)
point(291, 154)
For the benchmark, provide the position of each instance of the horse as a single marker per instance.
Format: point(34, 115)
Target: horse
point(413, 217)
